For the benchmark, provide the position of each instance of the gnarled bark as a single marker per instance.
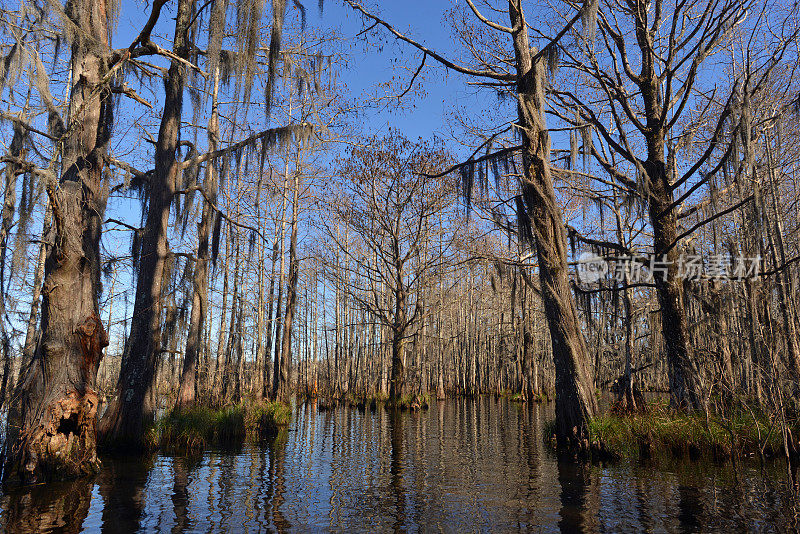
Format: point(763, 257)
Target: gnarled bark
point(52, 418)
point(575, 402)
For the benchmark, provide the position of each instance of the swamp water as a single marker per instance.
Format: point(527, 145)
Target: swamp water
point(461, 466)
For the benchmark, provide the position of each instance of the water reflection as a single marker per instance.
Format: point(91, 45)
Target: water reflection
point(61, 507)
point(396, 471)
point(574, 483)
point(690, 509)
point(121, 484)
point(460, 466)
point(276, 482)
point(182, 468)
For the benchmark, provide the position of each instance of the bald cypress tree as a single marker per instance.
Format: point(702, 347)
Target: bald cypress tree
point(52, 421)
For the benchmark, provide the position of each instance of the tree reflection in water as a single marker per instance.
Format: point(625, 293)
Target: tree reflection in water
point(56, 507)
point(276, 482)
point(463, 465)
point(396, 470)
point(121, 483)
point(574, 481)
point(182, 469)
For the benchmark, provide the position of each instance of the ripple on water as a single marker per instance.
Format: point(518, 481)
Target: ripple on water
point(462, 465)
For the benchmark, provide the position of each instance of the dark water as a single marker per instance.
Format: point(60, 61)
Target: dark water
point(462, 466)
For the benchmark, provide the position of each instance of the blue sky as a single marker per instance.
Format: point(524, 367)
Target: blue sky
point(370, 63)
point(424, 20)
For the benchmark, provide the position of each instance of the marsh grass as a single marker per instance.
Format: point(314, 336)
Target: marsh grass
point(198, 427)
point(373, 402)
point(663, 432)
point(519, 397)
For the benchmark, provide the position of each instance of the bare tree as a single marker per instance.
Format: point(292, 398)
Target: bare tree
point(639, 121)
point(388, 206)
point(539, 212)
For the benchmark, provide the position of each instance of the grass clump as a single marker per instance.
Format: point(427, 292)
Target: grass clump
point(200, 426)
point(264, 418)
point(412, 402)
point(661, 431)
point(534, 397)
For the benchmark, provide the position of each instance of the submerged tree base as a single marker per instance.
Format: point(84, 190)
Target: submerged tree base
point(411, 402)
point(663, 432)
point(198, 427)
point(61, 446)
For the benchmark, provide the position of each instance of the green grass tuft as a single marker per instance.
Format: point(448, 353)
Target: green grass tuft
point(661, 431)
point(198, 427)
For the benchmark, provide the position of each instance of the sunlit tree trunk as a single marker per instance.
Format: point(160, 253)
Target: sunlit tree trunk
point(52, 421)
point(188, 387)
point(266, 384)
point(16, 150)
point(130, 411)
point(222, 333)
point(281, 377)
point(575, 401)
point(30, 335)
point(278, 341)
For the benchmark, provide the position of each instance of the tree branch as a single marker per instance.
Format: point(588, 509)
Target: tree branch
point(438, 57)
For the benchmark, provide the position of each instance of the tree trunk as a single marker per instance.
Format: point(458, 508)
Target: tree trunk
point(683, 380)
point(278, 341)
point(188, 386)
point(238, 350)
point(236, 307)
point(575, 401)
point(52, 421)
point(16, 150)
point(127, 416)
point(784, 283)
point(398, 367)
point(216, 382)
point(259, 364)
point(266, 384)
point(30, 335)
point(281, 380)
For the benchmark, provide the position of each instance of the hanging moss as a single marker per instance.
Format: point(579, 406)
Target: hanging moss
point(278, 14)
point(589, 19)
